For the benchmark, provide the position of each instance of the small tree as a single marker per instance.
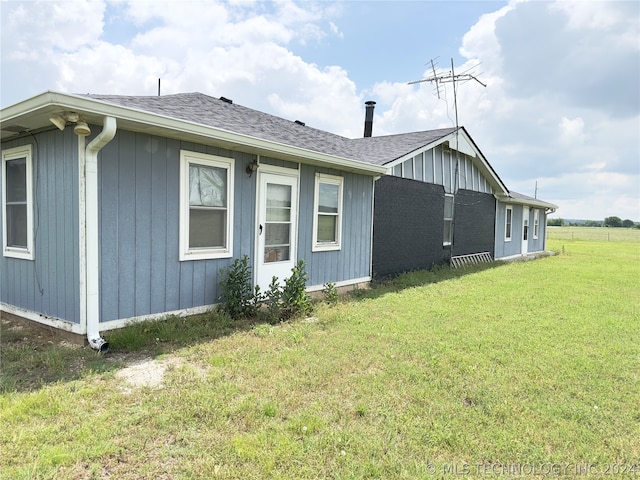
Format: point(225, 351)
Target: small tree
point(612, 222)
point(555, 222)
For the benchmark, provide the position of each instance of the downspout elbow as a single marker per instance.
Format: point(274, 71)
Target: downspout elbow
point(92, 237)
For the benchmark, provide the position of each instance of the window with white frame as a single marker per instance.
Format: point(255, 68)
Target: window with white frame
point(17, 203)
point(508, 220)
point(536, 223)
point(327, 218)
point(206, 206)
point(448, 219)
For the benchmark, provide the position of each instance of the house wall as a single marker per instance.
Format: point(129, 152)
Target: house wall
point(353, 260)
point(49, 284)
point(408, 226)
point(438, 165)
point(140, 273)
point(474, 229)
point(537, 244)
point(514, 246)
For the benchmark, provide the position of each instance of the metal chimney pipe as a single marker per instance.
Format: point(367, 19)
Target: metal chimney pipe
point(368, 118)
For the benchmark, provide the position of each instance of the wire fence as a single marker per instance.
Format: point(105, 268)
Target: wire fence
point(594, 234)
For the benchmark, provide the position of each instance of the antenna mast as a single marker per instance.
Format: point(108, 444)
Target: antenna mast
point(454, 78)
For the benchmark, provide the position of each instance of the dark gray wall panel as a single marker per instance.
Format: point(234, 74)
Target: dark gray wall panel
point(408, 226)
point(474, 223)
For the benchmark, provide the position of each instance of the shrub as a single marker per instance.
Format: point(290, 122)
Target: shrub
point(330, 293)
point(239, 299)
point(295, 299)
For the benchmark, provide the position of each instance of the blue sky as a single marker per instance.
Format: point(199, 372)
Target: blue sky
point(561, 106)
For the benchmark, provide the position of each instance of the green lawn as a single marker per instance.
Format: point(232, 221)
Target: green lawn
point(525, 368)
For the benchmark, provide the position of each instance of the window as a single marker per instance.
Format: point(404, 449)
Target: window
point(448, 219)
point(327, 219)
point(206, 210)
point(17, 203)
point(507, 223)
point(536, 223)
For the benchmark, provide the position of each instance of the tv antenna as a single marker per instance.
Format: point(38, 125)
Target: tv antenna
point(451, 77)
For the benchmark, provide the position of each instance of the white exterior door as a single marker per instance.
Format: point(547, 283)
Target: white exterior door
point(277, 227)
point(525, 230)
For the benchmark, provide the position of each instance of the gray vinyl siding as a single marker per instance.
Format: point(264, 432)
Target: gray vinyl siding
point(49, 284)
point(513, 247)
point(438, 165)
point(353, 259)
point(140, 271)
point(537, 244)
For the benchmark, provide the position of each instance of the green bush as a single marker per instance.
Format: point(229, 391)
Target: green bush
point(295, 299)
point(330, 293)
point(239, 298)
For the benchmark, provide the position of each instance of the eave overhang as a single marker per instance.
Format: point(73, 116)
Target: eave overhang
point(33, 114)
point(529, 202)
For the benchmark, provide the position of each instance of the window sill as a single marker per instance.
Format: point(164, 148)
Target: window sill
point(326, 248)
point(20, 253)
point(204, 255)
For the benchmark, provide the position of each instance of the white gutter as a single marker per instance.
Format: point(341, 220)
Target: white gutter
point(91, 230)
point(182, 128)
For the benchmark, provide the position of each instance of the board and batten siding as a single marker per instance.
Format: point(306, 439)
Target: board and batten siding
point(353, 260)
point(514, 246)
point(140, 271)
point(48, 284)
point(438, 165)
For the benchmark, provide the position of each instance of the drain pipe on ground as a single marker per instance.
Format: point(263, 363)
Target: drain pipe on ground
point(91, 232)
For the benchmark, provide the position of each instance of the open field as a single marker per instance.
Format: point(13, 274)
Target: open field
point(594, 234)
point(524, 368)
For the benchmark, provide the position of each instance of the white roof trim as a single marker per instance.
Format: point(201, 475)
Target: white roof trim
point(88, 106)
point(466, 146)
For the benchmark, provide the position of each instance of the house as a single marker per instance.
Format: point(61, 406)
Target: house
point(120, 208)
point(441, 201)
point(126, 208)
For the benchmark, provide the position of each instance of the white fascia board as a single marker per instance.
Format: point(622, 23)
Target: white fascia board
point(88, 107)
point(527, 202)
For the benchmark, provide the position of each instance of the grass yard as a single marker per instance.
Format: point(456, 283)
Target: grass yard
point(525, 369)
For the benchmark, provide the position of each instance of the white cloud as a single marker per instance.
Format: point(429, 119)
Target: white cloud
point(562, 103)
point(572, 131)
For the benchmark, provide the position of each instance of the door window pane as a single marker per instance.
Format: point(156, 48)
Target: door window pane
point(278, 223)
point(277, 234)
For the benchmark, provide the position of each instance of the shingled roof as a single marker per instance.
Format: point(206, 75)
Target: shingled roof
point(218, 113)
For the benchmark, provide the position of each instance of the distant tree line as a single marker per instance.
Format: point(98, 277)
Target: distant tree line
point(607, 222)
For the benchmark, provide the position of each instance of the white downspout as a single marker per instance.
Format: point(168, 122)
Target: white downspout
point(91, 230)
